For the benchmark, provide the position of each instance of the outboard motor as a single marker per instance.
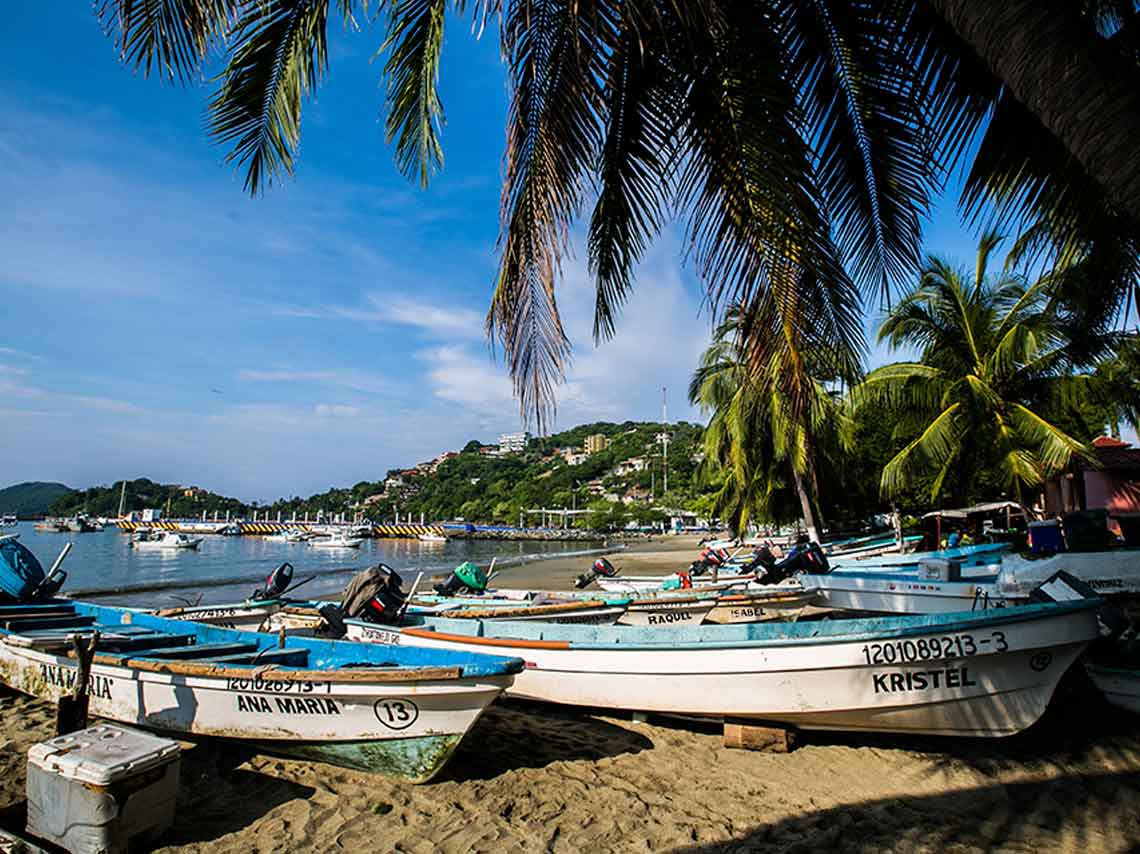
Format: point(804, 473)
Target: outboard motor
point(801, 557)
point(374, 594)
point(761, 564)
point(22, 578)
point(275, 585)
point(601, 567)
point(465, 578)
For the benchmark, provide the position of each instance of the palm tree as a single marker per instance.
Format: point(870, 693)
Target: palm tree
point(769, 430)
point(991, 346)
point(814, 131)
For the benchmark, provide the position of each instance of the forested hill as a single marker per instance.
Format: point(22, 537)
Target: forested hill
point(31, 499)
point(173, 499)
point(480, 483)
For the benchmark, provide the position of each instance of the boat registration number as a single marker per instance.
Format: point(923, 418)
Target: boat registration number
point(930, 649)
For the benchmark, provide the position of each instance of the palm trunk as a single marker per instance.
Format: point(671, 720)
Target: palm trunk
point(807, 507)
point(1084, 92)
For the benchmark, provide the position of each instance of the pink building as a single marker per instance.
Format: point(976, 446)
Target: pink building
point(1113, 486)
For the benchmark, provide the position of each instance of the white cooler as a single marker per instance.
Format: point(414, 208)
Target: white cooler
point(102, 789)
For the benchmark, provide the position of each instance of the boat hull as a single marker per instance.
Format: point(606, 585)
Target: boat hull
point(900, 593)
point(1120, 687)
point(735, 609)
point(404, 730)
point(981, 677)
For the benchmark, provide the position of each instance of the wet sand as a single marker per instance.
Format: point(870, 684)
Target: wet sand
point(539, 778)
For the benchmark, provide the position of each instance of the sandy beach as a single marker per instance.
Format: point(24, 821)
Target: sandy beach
point(539, 778)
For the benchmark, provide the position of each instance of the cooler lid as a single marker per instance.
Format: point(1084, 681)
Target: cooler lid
point(102, 754)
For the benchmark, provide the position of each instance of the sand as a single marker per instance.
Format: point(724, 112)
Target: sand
point(538, 778)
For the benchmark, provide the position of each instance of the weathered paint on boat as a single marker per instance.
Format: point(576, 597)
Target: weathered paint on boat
point(966, 674)
point(400, 715)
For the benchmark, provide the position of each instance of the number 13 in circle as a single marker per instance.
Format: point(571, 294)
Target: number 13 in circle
point(396, 714)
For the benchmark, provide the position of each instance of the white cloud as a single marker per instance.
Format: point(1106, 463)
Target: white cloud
point(19, 354)
point(461, 376)
point(336, 410)
point(351, 379)
point(440, 318)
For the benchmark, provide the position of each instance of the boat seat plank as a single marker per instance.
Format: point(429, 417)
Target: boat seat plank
point(26, 610)
point(201, 650)
point(19, 624)
point(134, 643)
point(288, 657)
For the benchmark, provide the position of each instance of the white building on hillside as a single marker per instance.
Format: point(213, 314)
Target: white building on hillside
point(513, 443)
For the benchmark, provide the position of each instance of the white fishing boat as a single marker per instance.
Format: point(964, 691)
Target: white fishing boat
point(242, 616)
point(336, 540)
point(9, 520)
point(396, 712)
point(1116, 571)
point(773, 602)
point(292, 535)
point(968, 674)
point(936, 586)
point(432, 538)
point(643, 584)
point(164, 540)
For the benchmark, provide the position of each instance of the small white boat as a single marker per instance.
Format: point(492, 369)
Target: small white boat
point(338, 540)
point(9, 521)
point(968, 674)
point(933, 588)
point(164, 540)
point(395, 712)
point(432, 538)
point(292, 535)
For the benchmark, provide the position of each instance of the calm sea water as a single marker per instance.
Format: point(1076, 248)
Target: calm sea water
point(229, 568)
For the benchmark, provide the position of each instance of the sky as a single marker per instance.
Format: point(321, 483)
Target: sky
point(158, 322)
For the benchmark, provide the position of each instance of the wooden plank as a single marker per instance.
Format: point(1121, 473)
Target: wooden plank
point(18, 624)
point(200, 650)
point(747, 734)
point(355, 674)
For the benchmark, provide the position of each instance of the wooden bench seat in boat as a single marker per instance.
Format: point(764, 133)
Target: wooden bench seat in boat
point(200, 650)
point(22, 624)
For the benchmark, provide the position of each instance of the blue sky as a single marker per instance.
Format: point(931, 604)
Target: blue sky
point(158, 322)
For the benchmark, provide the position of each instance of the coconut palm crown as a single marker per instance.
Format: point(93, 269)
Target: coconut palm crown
point(990, 346)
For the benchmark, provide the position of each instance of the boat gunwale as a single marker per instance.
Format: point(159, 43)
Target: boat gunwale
point(1001, 616)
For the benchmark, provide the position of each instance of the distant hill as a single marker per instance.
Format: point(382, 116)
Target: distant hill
point(31, 499)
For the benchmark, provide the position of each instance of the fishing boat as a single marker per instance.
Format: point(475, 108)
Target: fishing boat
point(432, 538)
point(9, 520)
point(164, 540)
point(1120, 686)
point(989, 673)
point(399, 712)
point(292, 535)
point(336, 540)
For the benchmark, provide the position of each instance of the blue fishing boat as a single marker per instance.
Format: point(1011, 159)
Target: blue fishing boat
point(400, 712)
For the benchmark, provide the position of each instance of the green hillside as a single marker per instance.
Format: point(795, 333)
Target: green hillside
point(173, 499)
point(32, 498)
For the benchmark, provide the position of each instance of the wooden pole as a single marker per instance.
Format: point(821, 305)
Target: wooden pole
point(71, 712)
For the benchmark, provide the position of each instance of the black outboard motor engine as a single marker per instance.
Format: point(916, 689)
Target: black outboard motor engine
point(802, 557)
point(375, 595)
point(601, 567)
point(761, 564)
point(275, 585)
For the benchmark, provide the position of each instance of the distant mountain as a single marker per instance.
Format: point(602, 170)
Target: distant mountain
point(31, 499)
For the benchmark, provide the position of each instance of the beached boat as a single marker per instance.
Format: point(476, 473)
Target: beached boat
point(644, 584)
point(936, 586)
point(1115, 571)
point(400, 712)
point(164, 540)
point(968, 674)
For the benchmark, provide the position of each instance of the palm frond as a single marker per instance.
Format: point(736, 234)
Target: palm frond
point(876, 164)
point(936, 445)
point(167, 37)
point(553, 49)
point(634, 164)
point(280, 56)
point(415, 115)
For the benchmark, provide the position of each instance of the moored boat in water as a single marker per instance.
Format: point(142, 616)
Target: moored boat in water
point(395, 712)
point(968, 674)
